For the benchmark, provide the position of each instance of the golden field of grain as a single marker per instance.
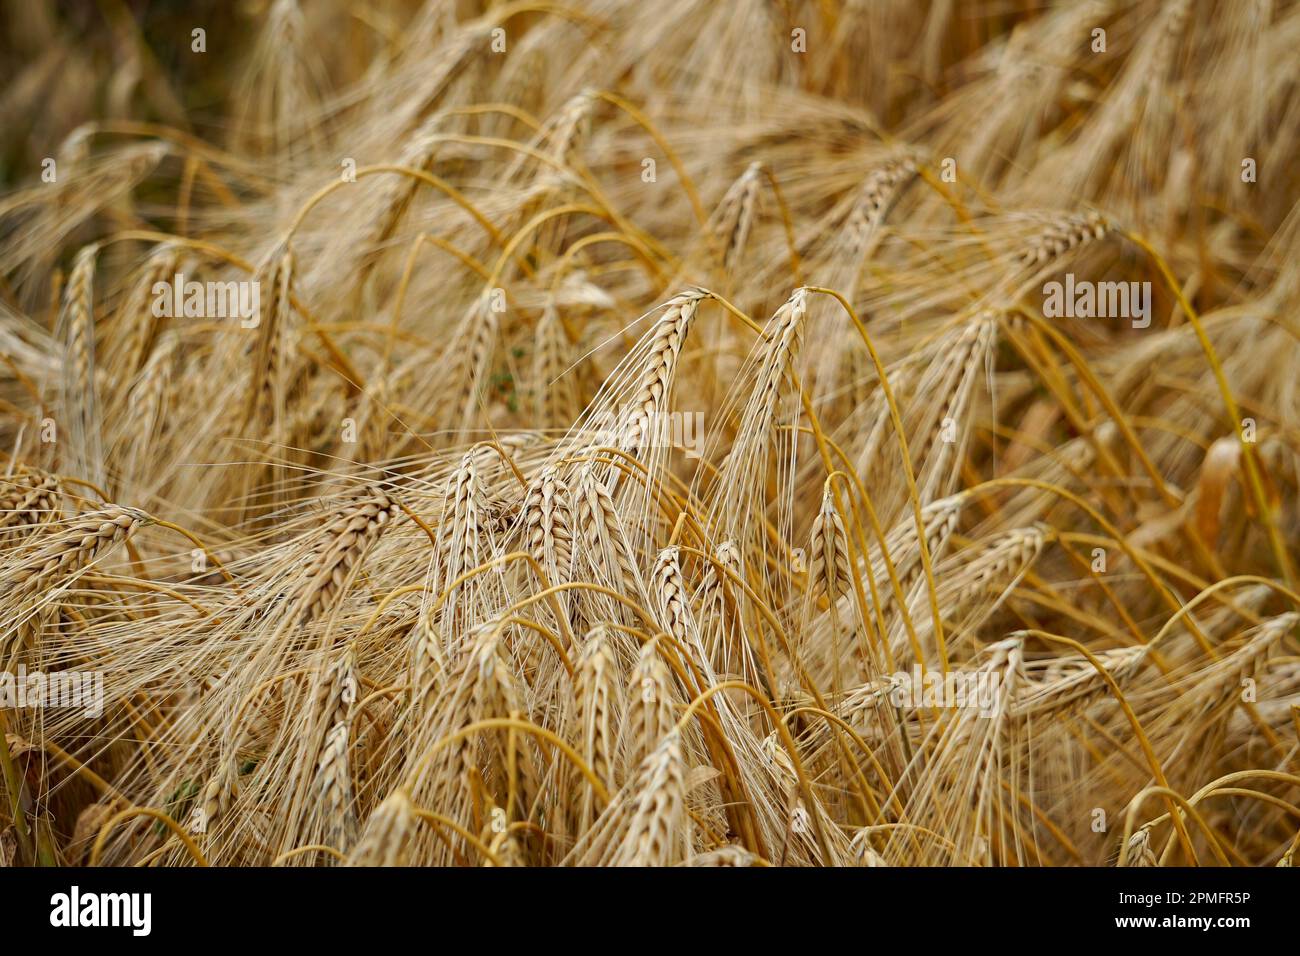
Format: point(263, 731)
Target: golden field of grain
point(608, 433)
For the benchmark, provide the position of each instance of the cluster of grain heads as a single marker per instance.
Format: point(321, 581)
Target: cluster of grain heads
point(498, 539)
point(33, 576)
